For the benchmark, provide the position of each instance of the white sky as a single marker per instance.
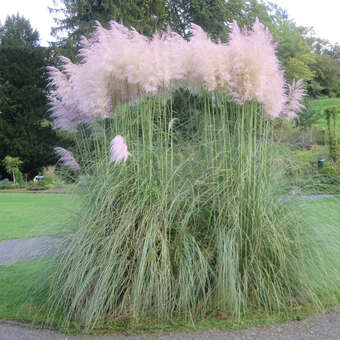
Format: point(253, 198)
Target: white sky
point(323, 15)
point(35, 10)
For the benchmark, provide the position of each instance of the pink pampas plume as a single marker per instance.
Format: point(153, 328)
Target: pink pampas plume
point(255, 72)
point(118, 150)
point(66, 157)
point(120, 65)
point(293, 105)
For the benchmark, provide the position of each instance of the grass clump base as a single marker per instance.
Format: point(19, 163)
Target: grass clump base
point(188, 226)
point(21, 301)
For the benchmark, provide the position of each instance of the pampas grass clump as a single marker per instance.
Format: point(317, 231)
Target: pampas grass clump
point(184, 228)
point(173, 225)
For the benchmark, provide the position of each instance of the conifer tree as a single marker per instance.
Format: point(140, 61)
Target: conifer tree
point(25, 130)
point(79, 18)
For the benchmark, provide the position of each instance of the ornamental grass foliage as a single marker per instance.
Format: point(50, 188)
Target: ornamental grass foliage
point(180, 217)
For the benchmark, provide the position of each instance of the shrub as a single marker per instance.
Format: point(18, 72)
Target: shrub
point(12, 165)
point(19, 179)
point(35, 186)
point(50, 178)
point(331, 169)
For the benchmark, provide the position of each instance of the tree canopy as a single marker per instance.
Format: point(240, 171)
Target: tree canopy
point(18, 30)
point(80, 16)
point(25, 131)
point(148, 16)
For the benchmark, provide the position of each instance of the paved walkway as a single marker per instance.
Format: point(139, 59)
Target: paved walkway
point(12, 251)
point(307, 197)
point(319, 327)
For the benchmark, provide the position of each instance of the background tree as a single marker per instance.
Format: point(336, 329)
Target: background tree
point(326, 79)
point(294, 51)
point(212, 16)
point(18, 29)
point(334, 52)
point(79, 18)
point(308, 116)
point(148, 16)
point(25, 128)
point(12, 166)
point(326, 68)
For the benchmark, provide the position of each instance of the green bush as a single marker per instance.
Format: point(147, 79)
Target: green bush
point(301, 170)
point(319, 135)
point(10, 185)
point(19, 178)
point(35, 186)
point(12, 165)
point(50, 179)
point(331, 169)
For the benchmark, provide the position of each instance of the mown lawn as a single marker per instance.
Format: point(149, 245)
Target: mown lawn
point(28, 215)
point(323, 212)
point(321, 105)
point(18, 284)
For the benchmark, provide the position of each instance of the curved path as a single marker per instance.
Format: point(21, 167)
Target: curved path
point(307, 197)
point(318, 327)
point(12, 251)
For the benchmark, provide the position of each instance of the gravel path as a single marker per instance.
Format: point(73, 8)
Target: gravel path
point(12, 251)
point(307, 197)
point(318, 327)
point(315, 197)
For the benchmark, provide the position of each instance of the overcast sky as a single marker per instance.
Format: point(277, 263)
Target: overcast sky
point(323, 15)
point(34, 10)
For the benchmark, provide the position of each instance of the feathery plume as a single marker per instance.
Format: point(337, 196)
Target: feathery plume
point(254, 69)
point(118, 150)
point(293, 104)
point(66, 157)
point(119, 65)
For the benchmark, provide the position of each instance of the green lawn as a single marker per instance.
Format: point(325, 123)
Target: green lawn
point(28, 215)
point(321, 105)
point(17, 286)
point(323, 212)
